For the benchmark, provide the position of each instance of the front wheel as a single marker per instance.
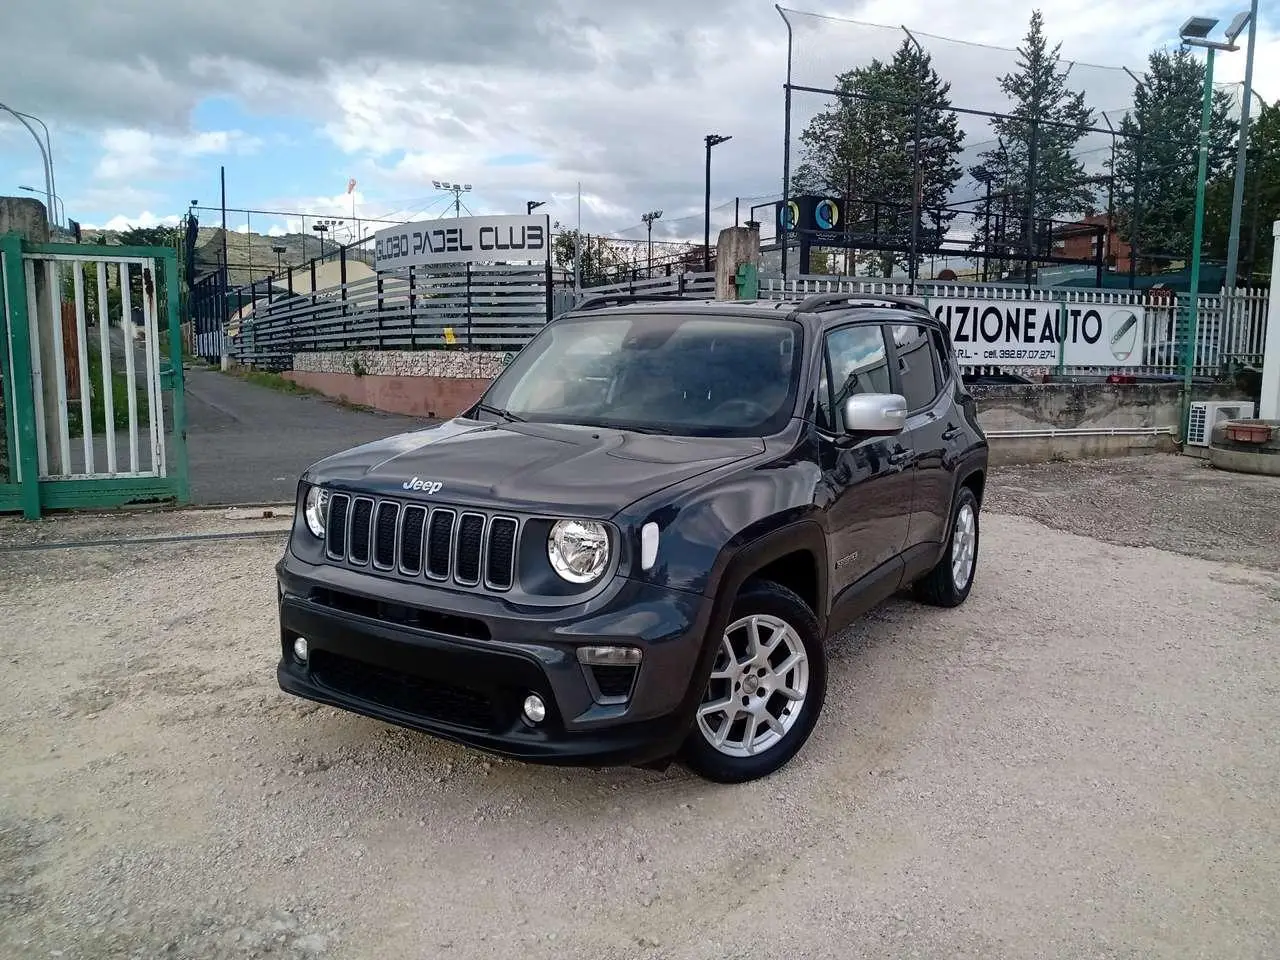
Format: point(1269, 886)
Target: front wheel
point(948, 584)
point(766, 690)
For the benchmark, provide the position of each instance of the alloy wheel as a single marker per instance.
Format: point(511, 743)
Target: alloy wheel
point(757, 689)
point(964, 546)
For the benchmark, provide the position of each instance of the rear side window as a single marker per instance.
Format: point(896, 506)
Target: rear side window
point(918, 362)
point(858, 362)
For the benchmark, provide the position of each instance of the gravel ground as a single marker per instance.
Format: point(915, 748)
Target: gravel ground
point(1080, 762)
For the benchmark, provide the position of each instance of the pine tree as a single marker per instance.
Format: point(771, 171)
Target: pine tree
point(1158, 154)
point(1033, 168)
point(861, 148)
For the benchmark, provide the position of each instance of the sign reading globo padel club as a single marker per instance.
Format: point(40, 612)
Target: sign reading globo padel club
point(464, 240)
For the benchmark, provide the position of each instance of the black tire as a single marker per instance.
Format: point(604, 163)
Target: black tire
point(938, 587)
point(770, 600)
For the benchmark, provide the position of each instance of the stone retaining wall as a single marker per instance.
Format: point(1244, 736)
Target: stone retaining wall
point(443, 383)
point(419, 383)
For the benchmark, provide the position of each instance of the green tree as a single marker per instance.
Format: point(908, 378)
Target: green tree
point(862, 148)
point(1158, 155)
point(600, 262)
point(149, 237)
point(1261, 199)
point(1033, 167)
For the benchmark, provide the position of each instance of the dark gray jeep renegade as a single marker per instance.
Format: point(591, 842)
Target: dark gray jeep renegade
point(633, 547)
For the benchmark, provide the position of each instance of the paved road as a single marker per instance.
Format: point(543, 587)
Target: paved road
point(248, 444)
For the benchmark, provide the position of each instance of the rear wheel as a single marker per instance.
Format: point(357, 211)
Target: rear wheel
point(948, 584)
point(766, 690)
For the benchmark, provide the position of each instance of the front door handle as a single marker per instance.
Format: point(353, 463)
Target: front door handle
point(899, 456)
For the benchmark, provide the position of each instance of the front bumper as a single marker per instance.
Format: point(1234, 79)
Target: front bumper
point(459, 666)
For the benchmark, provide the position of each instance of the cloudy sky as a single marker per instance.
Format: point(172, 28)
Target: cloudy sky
point(146, 99)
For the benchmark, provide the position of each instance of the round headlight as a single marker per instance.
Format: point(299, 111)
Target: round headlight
point(578, 549)
point(315, 508)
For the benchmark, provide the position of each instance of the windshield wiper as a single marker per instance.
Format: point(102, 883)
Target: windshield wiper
point(498, 411)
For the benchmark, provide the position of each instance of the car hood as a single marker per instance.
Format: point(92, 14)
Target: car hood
point(534, 467)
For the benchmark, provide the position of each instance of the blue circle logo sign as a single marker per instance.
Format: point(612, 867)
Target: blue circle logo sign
point(826, 214)
point(789, 215)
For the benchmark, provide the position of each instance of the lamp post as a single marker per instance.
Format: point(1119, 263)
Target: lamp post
point(44, 156)
point(58, 204)
point(532, 205)
point(1195, 33)
point(1237, 196)
point(712, 140)
point(648, 219)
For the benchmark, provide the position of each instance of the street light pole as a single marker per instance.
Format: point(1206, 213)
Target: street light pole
point(1195, 32)
point(532, 205)
point(44, 155)
point(1237, 196)
point(712, 140)
point(59, 205)
point(648, 219)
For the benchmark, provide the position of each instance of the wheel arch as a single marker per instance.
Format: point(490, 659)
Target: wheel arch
point(774, 551)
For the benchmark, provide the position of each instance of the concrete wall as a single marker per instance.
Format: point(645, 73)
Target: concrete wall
point(420, 383)
point(1026, 423)
point(1073, 421)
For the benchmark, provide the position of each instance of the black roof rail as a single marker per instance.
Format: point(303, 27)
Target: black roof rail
point(820, 301)
point(601, 299)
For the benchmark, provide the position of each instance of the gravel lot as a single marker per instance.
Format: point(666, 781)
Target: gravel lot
point(1081, 762)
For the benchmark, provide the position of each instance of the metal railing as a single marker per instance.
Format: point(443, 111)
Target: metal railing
point(468, 306)
point(479, 307)
point(1230, 331)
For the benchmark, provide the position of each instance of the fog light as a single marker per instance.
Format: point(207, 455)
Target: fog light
point(602, 656)
point(301, 649)
point(535, 711)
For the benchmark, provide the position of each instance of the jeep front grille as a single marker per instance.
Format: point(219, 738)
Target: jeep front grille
point(469, 548)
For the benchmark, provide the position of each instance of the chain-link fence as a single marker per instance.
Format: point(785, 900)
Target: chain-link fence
point(937, 154)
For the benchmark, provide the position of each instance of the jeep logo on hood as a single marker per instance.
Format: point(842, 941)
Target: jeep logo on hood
point(429, 487)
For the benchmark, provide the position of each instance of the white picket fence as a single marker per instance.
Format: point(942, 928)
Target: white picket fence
point(1230, 332)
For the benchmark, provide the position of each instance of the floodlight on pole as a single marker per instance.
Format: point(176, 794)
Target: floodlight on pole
point(457, 189)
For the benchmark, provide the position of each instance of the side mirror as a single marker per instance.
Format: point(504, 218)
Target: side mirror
point(875, 414)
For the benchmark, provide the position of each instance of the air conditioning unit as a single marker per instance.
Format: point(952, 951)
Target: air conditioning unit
point(1206, 414)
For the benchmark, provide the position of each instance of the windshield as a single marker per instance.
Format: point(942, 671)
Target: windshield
point(660, 373)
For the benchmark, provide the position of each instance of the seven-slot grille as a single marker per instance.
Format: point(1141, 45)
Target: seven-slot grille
point(439, 543)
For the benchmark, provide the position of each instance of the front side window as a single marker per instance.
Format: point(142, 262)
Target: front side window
point(859, 363)
point(657, 373)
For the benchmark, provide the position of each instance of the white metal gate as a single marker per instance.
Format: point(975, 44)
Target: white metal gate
point(94, 334)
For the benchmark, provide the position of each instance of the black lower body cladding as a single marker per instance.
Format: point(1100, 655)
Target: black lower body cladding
point(460, 666)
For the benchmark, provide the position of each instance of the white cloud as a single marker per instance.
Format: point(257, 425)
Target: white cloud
point(135, 156)
point(144, 219)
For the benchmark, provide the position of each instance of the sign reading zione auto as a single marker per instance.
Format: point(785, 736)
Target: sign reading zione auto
point(1031, 332)
point(466, 239)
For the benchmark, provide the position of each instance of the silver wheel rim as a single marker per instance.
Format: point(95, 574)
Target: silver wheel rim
point(964, 546)
point(757, 688)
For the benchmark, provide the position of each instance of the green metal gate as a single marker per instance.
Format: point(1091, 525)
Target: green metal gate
point(90, 377)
